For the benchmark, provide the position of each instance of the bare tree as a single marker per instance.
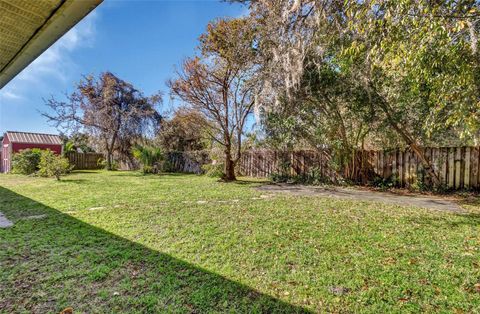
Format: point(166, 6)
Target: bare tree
point(224, 97)
point(107, 109)
point(219, 84)
point(183, 131)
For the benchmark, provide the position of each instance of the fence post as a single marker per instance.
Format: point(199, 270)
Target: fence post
point(474, 167)
point(466, 181)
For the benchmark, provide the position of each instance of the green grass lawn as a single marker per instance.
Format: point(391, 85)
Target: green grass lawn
point(122, 242)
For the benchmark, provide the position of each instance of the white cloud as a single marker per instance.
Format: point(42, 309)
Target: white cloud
point(55, 64)
point(8, 94)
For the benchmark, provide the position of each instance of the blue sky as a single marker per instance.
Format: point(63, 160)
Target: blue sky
point(139, 41)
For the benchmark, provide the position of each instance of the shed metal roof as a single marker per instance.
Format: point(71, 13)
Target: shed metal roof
point(33, 138)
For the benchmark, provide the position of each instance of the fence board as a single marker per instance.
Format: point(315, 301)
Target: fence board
point(400, 168)
point(466, 181)
point(474, 167)
point(84, 161)
point(451, 168)
point(444, 162)
point(394, 162)
point(458, 156)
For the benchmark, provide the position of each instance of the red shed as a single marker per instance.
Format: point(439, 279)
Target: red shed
point(14, 142)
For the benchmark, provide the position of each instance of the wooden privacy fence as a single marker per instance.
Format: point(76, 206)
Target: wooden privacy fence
point(84, 161)
point(456, 167)
point(263, 163)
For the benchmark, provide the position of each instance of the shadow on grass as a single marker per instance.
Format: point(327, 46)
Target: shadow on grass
point(87, 171)
point(138, 173)
point(252, 182)
point(76, 181)
point(60, 261)
point(470, 200)
point(178, 174)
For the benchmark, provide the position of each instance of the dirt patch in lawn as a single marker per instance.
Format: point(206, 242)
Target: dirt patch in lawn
point(429, 202)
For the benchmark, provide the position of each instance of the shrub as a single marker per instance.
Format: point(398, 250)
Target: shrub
point(278, 177)
point(149, 169)
point(26, 161)
point(52, 165)
point(385, 183)
point(313, 177)
point(102, 162)
point(149, 157)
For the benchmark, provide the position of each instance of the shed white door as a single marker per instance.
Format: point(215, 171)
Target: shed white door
point(5, 164)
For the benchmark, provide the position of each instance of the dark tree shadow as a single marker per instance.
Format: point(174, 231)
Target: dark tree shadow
point(138, 173)
point(253, 182)
point(471, 200)
point(86, 171)
point(75, 181)
point(59, 261)
point(178, 174)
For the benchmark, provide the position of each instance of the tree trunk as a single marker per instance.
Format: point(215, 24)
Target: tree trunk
point(420, 154)
point(109, 160)
point(426, 164)
point(415, 148)
point(110, 149)
point(407, 137)
point(229, 174)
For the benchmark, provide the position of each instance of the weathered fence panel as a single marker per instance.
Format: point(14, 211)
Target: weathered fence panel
point(456, 167)
point(263, 163)
point(186, 162)
point(84, 161)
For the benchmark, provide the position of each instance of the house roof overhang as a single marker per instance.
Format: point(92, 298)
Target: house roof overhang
point(28, 28)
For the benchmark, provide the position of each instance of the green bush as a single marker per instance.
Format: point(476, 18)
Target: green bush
point(52, 165)
point(313, 177)
point(102, 162)
point(278, 177)
point(385, 183)
point(26, 161)
point(149, 157)
point(149, 169)
point(214, 170)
